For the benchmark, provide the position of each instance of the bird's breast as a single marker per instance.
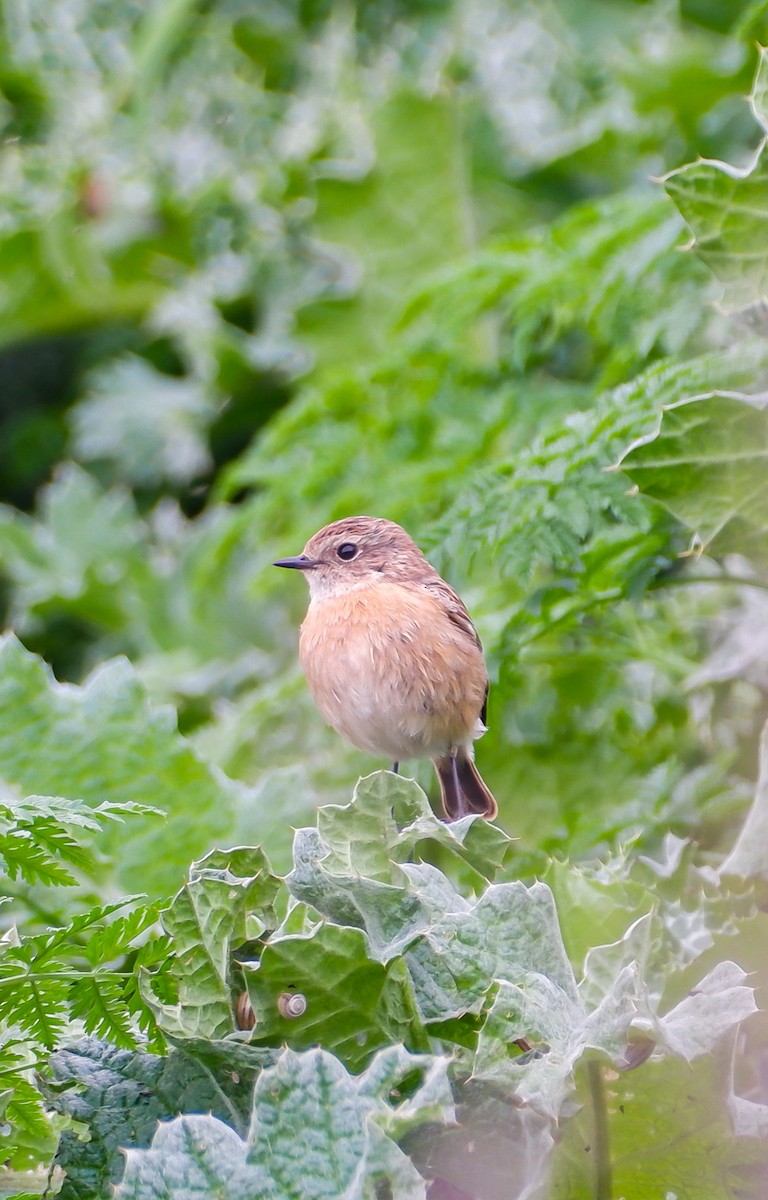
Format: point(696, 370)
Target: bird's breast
point(391, 672)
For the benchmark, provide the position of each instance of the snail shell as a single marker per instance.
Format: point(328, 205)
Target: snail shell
point(245, 1017)
point(291, 1005)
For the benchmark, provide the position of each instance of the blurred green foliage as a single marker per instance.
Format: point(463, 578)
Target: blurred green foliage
point(401, 259)
point(263, 266)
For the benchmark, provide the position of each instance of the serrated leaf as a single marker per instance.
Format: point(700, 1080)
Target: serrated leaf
point(511, 929)
point(559, 1031)
point(390, 1078)
point(749, 856)
point(61, 843)
point(120, 1095)
point(37, 948)
point(603, 964)
point(313, 1092)
point(594, 903)
point(191, 1158)
point(316, 1132)
point(40, 987)
point(103, 743)
point(614, 1010)
point(71, 812)
point(225, 890)
point(713, 1008)
point(22, 856)
point(115, 937)
point(507, 511)
point(390, 914)
point(349, 867)
point(353, 1006)
point(705, 462)
point(727, 210)
point(388, 816)
point(97, 1000)
point(28, 1135)
point(36, 1002)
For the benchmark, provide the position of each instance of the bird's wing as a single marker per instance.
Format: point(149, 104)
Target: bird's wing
point(453, 607)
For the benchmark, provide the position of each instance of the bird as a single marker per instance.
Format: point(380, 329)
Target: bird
point(391, 656)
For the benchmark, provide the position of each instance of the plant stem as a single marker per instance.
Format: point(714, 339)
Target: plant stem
point(601, 1140)
point(685, 580)
point(614, 595)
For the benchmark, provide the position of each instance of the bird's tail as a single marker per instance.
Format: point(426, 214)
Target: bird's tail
point(462, 788)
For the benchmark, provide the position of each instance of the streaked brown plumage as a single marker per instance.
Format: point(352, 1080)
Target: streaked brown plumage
point(391, 656)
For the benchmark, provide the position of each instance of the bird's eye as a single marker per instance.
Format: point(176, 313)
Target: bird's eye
point(347, 550)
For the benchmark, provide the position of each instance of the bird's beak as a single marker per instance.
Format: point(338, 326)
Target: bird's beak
point(299, 563)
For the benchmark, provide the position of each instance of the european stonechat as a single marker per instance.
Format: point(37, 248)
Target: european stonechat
point(391, 656)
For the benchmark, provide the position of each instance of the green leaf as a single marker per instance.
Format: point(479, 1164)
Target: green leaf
point(337, 1113)
point(149, 426)
point(389, 817)
point(560, 1032)
point(65, 811)
point(749, 856)
point(23, 857)
point(191, 1158)
point(121, 1095)
point(510, 930)
point(727, 209)
point(40, 986)
point(57, 739)
point(349, 867)
point(403, 216)
point(229, 897)
point(28, 1134)
point(668, 1132)
point(353, 1006)
point(98, 1001)
point(37, 1001)
point(594, 904)
point(391, 914)
point(454, 949)
point(114, 937)
point(598, 268)
point(712, 1009)
point(81, 552)
point(315, 1132)
point(706, 463)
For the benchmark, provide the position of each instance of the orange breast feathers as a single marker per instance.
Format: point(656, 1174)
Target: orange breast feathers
point(391, 671)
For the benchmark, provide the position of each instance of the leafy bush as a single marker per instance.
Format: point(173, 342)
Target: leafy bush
point(262, 269)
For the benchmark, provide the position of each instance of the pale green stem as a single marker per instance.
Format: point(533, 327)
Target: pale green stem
point(601, 1138)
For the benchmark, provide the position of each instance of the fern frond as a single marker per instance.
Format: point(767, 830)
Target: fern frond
point(60, 843)
point(599, 268)
point(98, 1000)
point(38, 948)
point(34, 1001)
point(25, 857)
point(25, 1110)
point(540, 510)
point(115, 937)
point(65, 811)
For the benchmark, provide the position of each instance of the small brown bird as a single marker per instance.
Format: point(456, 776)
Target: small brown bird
point(391, 655)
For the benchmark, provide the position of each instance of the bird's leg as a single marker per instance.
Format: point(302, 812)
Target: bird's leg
point(395, 768)
point(457, 785)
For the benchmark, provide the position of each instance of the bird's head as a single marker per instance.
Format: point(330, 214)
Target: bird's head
point(357, 552)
